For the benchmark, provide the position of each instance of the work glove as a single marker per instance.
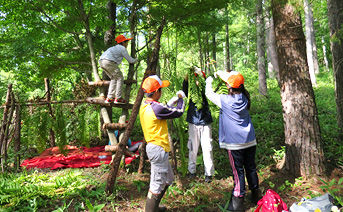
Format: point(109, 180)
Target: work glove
point(218, 73)
point(172, 101)
point(197, 70)
point(209, 80)
point(182, 93)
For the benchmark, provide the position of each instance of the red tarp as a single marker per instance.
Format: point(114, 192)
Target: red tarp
point(76, 157)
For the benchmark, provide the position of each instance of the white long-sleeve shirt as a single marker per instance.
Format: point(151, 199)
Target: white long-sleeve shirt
point(116, 54)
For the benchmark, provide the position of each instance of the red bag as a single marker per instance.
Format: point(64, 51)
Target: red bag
point(271, 202)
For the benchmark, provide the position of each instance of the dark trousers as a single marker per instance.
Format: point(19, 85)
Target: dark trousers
point(243, 160)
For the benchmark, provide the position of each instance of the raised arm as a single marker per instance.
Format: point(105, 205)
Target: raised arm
point(212, 96)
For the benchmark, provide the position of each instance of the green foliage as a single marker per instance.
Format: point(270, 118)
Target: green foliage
point(335, 188)
point(32, 191)
point(139, 185)
point(196, 88)
point(94, 208)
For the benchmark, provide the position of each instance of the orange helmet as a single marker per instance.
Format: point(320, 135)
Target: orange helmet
point(233, 78)
point(153, 83)
point(122, 38)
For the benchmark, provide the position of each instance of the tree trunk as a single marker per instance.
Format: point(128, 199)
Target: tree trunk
point(304, 152)
point(313, 37)
point(133, 23)
point(104, 113)
point(227, 42)
point(207, 49)
point(335, 8)
point(309, 41)
point(111, 32)
point(4, 123)
point(271, 73)
point(151, 66)
point(326, 62)
point(261, 49)
point(202, 65)
point(5, 132)
point(273, 50)
point(109, 40)
point(214, 50)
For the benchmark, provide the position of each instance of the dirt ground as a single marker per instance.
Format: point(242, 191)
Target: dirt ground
point(200, 196)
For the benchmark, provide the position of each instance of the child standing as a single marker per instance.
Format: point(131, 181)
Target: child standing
point(109, 62)
point(237, 135)
point(199, 124)
point(153, 116)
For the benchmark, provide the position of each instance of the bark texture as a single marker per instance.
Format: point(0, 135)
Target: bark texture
point(273, 63)
point(335, 11)
point(110, 33)
point(304, 153)
point(261, 49)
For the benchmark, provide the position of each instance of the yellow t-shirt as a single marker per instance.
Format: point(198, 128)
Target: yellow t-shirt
point(153, 116)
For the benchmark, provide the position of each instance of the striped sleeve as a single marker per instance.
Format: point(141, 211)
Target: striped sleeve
point(166, 112)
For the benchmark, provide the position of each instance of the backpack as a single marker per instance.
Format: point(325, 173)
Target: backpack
point(322, 203)
point(271, 202)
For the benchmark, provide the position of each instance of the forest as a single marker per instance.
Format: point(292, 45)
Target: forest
point(53, 90)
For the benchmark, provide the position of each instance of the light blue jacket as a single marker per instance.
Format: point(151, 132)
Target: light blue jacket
point(236, 130)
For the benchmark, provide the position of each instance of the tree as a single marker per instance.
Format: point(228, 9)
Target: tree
point(311, 46)
point(304, 152)
point(335, 8)
point(261, 49)
point(273, 65)
point(227, 41)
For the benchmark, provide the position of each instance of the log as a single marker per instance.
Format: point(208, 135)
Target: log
point(114, 126)
point(5, 123)
point(114, 148)
point(90, 100)
point(107, 83)
point(17, 138)
point(142, 156)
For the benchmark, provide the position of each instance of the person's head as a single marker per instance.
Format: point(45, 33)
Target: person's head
point(122, 40)
point(152, 87)
point(235, 84)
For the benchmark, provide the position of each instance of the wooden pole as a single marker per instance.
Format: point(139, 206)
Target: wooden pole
point(4, 124)
point(17, 138)
point(142, 155)
point(114, 148)
point(48, 99)
point(89, 100)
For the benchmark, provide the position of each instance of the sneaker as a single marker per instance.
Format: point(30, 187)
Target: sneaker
point(108, 100)
point(208, 179)
point(119, 101)
point(191, 175)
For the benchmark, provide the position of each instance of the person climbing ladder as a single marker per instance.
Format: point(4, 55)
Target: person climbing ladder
point(109, 62)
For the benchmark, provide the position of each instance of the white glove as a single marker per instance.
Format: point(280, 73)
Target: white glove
point(209, 80)
point(182, 93)
point(218, 73)
point(172, 101)
point(197, 71)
